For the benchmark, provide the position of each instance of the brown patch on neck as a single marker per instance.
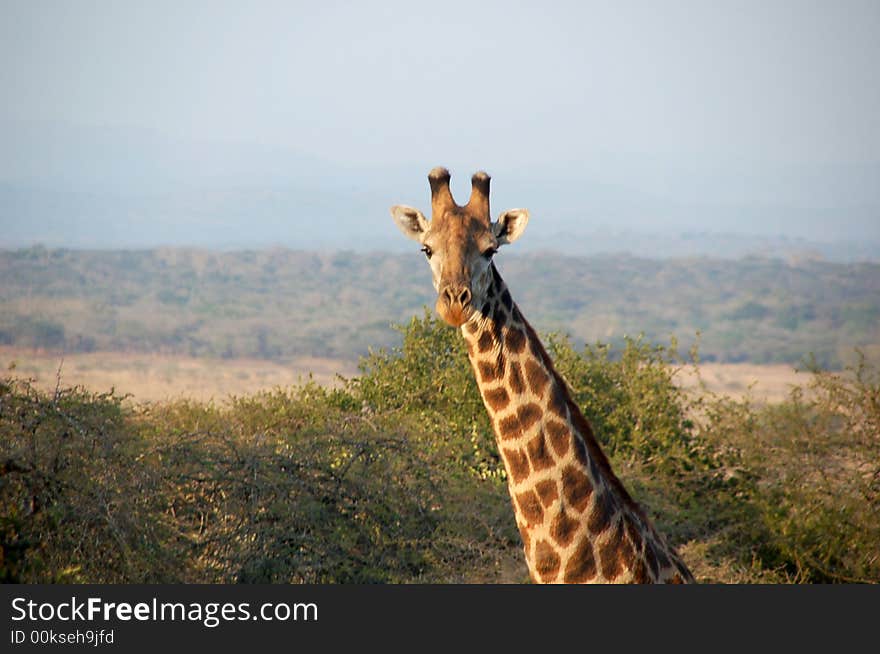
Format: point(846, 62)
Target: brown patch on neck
point(485, 343)
point(601, 514)
point(563, 528)
point(517, 463)
point(491, 371)
point(528, 415)
point(547, 491)
point(539, 456)
point(612, 553)
point(581, 567)
point(530, 507)
point(515, 380)
point(576, 487)
point(537, 378)
point(561, 398)
point(560, 438)
point(497, 398)
point(516, 340)
point(547, 561)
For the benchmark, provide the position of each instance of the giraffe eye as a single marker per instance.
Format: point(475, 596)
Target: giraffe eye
point(428, 251)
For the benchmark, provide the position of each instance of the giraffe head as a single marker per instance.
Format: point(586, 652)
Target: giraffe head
point(459, 242)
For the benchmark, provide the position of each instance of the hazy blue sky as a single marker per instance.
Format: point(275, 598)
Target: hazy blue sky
point(667, 97)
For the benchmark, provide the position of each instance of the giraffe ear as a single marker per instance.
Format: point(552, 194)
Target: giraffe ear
point(510, 225)
point(411, 221)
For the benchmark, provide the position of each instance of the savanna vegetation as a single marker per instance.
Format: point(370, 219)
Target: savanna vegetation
point(394, 476)
point(281, 304)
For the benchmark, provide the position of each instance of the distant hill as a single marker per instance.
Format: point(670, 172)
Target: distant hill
point(278, 304)
point(112, 187)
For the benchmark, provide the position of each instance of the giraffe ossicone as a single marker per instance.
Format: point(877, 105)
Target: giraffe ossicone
point(577, 521)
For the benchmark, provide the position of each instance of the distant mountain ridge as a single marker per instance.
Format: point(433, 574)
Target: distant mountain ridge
point(88, 187)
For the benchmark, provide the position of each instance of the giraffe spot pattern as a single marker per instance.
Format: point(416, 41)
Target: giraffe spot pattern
point(528, 415)
point(581, 567)
point(537, 378)
point(600, 516)
point(547, 491)
point(496, 398)
point(547, 561)
point(640, 572)
point(576, 487)
point(491, 291)
point(580, 455)
point(627, 556)
point(495, 284)
point(539, 456)
point(490, 370)
point(516, 316)
point(557, 403)
point(539, 353)
point(662, 559)
point(634, 536)
point(517, 463)
point(515, 379)
point(507, 300)
point(516, 340)
point(509, 428)
point(559, 436)
point(530, 507)
point(497, 331)
point(594, 470)
point(651, 559)
point(563, 528)
point(485, 342)
point(610, 552)
point(499, 315)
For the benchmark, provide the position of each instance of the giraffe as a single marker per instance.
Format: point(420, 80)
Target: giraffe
point(577, 521)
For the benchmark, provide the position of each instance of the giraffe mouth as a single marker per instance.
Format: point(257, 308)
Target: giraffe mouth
point(454, 315)
point(454, 303)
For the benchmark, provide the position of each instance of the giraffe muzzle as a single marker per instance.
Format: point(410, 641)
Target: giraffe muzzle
point(454, 304)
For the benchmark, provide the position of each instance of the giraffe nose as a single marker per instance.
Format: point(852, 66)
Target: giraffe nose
point(460, 295)
point(453, 303)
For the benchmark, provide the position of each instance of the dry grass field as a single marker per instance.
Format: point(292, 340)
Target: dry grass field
point(767, 383)
point(156, 377)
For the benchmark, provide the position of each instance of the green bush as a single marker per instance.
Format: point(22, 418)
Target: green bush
point(76, 503)
point(300, 485)
point(816, 459)
point(303, 486)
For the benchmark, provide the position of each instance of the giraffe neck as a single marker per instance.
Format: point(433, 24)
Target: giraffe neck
point(577, 521)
